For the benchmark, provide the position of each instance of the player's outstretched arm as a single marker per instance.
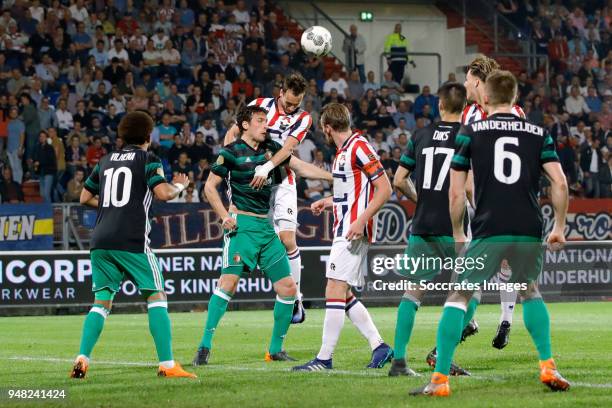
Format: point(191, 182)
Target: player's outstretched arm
point(382, 192)
point(214, 199)
point(309, 171)
point(231, 135)
point(169, 191)
point(559, 198)
point(261, 174)
point(401, 181)
point(456, 198)
point(87, 198)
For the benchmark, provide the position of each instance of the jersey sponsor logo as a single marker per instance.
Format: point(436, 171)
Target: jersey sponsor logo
point(441, 136)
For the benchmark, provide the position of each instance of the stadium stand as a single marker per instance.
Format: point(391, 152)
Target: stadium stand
point(70, 70)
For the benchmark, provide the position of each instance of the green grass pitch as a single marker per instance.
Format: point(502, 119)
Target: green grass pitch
point(36, 352)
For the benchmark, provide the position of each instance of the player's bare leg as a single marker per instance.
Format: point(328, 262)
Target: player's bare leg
point(288, 239)
point(537, 322)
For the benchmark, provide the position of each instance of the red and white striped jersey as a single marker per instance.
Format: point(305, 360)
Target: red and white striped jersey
point(355, 166)
point(474, 112)
point(281, 126)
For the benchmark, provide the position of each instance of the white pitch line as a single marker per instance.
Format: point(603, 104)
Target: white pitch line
point(264, 369)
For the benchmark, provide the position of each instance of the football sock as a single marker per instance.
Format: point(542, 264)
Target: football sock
point(283, 311)
point(508, 301)
point(160, 328)
point(92, 328)
point(449, 334)
point(359, 315)
point(332, 326)
point(537, 322)
point(471, 310)
point(295, 264)
point(216, 309)
point(403, 327)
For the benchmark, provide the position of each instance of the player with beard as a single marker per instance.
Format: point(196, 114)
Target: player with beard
point(361, 188)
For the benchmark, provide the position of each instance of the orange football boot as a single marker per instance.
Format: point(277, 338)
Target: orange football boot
point(551, 377)
point(437, 387)
point(176, 371)
point(79, 370)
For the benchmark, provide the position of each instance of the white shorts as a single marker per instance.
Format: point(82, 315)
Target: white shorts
point(348, 261)
point(283, 207)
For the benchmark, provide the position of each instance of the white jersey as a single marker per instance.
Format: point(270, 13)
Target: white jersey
point(474, 112)
point(281, 126)
point(355, 166)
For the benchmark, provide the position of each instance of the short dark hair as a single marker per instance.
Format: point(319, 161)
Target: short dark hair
point(245, 114)
point(501, 88)
point(135, 128)
point(296, 83)
point(453, 97)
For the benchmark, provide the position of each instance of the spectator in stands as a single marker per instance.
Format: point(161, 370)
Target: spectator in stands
point(182, 166)
point(10, 190)
point(45, 165)
point(605, 176)
point(397, 47)
point(379, 142)
point(337, 83)
point(95, 152)
point(425, 98)
point(576, 106)
point(75, 186)
point(29, 115)
point(354, 47)
point(590, 162)
point(201, 170)
point(75, 155)
point(282, 43)
point(355, 86)
point(15, 145)
point(371, 83)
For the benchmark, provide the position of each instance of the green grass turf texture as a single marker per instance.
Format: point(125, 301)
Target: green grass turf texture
point(237, 375)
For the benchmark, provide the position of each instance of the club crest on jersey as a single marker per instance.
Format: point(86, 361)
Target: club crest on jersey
point(268, 155)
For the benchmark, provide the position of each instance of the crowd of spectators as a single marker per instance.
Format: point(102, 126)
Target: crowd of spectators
point(576, 103)
point(69, 70)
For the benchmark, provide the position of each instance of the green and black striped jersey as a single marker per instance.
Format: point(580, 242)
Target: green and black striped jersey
point(124, 181)
point(237, 163)
point(506, 155)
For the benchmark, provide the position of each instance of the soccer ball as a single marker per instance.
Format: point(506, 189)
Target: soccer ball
point(317, 41)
